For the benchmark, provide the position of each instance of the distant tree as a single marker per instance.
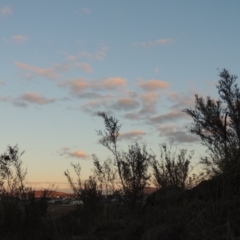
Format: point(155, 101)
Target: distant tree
point(217, 123)
point(172, 169)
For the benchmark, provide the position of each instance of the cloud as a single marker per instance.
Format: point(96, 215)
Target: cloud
point(153, 84)
point(30, 71)
point(20, 38)
point(181, 100)
point(160, 41)
point(98, 55)
point(78, 154)
point(164, 41)
point(72, 58)
point(133, 135)
point(96, 103)
point(15, 102)
point(19, 104)
point(148, 109)
point(126, 104)
point(114, 82)
point(1, 82)
point(6, 10)
point(84, 66)
point(172, 116)
point(156, 70)
point(80, 84)
point(4, 99)
point(176, 134)
point(65, 151)
point(89, 95)
point(149, 103)
point(149, 97)
point(132, 116)
point(36, 98)
point(76, 85)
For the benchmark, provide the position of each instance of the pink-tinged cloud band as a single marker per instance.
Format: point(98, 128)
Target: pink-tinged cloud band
point(135, 134)
point(20, 38)
point(84, 66)
point(164, 41)
point(37, 98)
point(114, 82)
point(65, 151)
point(153, 85)
point(177, 134)
point(30, 71)
point(125, 104)
point(6, 10)
point(150, 97)
point(172, 116)
point(98, 55)
point(78, 154)
point(80, 84)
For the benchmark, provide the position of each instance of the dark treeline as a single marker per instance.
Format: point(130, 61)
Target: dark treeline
point(115, 204)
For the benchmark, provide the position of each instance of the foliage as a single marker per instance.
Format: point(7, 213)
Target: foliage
point(11, 172)
point(134, 168)
point(106, 175)
point(132, 165)
point(216, 122)
point(173, 167)
point(87, 190)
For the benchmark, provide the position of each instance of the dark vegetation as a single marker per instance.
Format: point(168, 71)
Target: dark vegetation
point(115, 206)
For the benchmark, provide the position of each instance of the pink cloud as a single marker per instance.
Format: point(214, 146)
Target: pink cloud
point(172, 116)
point(5, 10)
point(74, 154)
point(181, 100)
point(175, 133)
point(114, 82)
point(98, 55)
point(72, 58)
point(153, 84)
point(164, 41)
point(80, 84)
point(30, 71)
point(132, 135)
point(36, 98)
point(76, 85)
point(126, 104)
point(149, 97)
point(78, 154)
point(20, 38)
point(84, 66)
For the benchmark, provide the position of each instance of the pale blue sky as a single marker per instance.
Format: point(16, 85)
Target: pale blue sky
point(143, 61)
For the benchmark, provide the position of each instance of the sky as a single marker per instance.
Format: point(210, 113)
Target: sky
point(141, 61)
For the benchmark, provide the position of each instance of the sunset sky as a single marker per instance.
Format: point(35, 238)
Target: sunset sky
point(143, 61)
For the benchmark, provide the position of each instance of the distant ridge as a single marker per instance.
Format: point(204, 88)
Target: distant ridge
point(39, 193)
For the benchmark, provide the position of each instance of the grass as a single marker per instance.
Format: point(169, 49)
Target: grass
point(206, 212)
